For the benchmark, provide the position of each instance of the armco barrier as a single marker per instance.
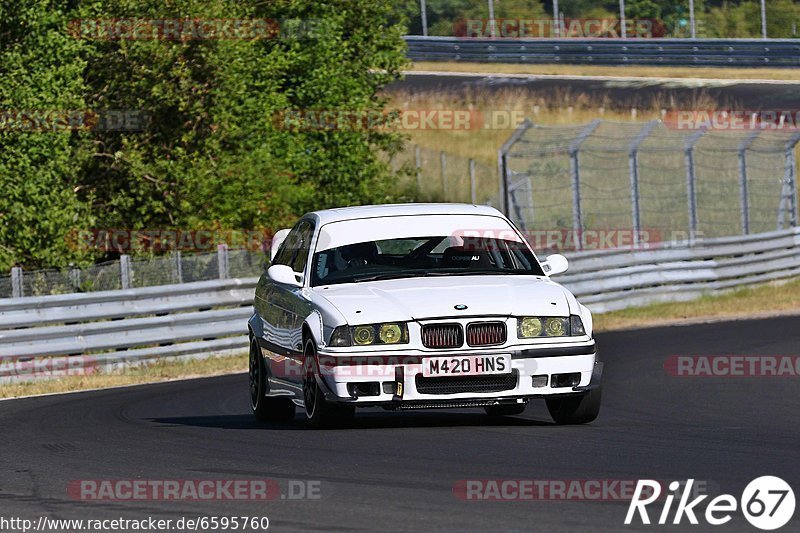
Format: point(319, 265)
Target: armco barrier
point(189, 319)
point(606, 280)
point(195, 319)
point(671, 52)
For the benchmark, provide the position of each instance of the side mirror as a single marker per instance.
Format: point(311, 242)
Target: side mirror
point(284, 275)
point(277, 240)
point(555, 264)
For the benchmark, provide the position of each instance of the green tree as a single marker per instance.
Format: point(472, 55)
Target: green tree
point(211, 152)
point(41, 71)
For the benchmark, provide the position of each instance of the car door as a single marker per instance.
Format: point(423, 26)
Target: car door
point(283, 308)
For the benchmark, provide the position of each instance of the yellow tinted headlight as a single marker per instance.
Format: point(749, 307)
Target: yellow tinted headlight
point(364, 335)
point(529, 327)
point(556, 327)
point(390, 333)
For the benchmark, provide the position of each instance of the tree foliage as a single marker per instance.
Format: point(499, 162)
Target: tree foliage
point(40, 69)
point(210, 152)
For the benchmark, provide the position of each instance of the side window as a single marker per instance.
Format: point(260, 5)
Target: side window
point(284, 255)
point(294, 250)
point(303, 246)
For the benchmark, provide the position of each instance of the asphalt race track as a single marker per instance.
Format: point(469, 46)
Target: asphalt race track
point(684, 93)
point(396, 471)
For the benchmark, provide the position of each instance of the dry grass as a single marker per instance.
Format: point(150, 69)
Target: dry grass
point(778, 298)
point(623, 71)
point(163, 370)
point(561, 106)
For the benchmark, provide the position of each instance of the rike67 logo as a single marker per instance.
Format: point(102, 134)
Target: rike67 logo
point(767, 503)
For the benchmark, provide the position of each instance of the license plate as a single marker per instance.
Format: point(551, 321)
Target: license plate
point(466, 365)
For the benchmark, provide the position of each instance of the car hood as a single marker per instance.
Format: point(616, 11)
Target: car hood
point(432, 297)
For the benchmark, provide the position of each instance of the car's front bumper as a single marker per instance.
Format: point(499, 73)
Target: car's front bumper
point(370, 380)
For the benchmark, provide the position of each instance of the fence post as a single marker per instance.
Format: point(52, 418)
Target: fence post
point(690, 183)
point(502, 194)
point(418, 165)
point(793, 175)
point(222, 261)
point(17, 288)
point(575, 172)
point(502, 163)
point(75, 278)
point(472, 185)
point(443, 167)
point(744, 197)
point(633, 169)
point(178, 266)
point(788, 203)
point(125, 271)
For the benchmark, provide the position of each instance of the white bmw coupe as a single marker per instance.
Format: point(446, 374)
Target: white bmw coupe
point(416, 306)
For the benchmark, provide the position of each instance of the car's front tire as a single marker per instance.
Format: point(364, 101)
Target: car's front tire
point(319, 412)
point(575, 409)
point(265, 409)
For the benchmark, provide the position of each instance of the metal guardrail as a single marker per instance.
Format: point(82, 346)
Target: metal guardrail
point(607, 280)
point(62, 332)
point(672, 52)
point(41, 335)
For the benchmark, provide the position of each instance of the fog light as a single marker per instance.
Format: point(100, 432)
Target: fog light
point(539, 381)
point(566, 380)
point(366, 388)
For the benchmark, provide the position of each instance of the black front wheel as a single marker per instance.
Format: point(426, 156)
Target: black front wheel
point(575, 409)
point(320, 412)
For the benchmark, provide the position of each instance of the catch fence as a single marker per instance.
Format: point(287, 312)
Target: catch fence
point(667, 184)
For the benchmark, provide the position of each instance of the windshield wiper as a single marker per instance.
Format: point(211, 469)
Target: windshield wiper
point(460, 272)
point(435, 273)
point(387, 275)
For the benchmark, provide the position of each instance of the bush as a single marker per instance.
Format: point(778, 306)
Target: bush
point(210, 153)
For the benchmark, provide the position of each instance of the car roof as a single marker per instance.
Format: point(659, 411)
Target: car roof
point(395, 210)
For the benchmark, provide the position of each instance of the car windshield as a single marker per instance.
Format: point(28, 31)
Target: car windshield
point(422, 256)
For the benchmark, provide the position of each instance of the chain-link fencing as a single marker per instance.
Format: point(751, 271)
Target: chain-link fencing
point(439, 176)
point(132, 272)
point(662, 184)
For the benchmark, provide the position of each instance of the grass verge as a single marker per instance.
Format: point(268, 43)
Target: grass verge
point(156, 372)
point(562, 106)
point(761, 301)
point(621, 71)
